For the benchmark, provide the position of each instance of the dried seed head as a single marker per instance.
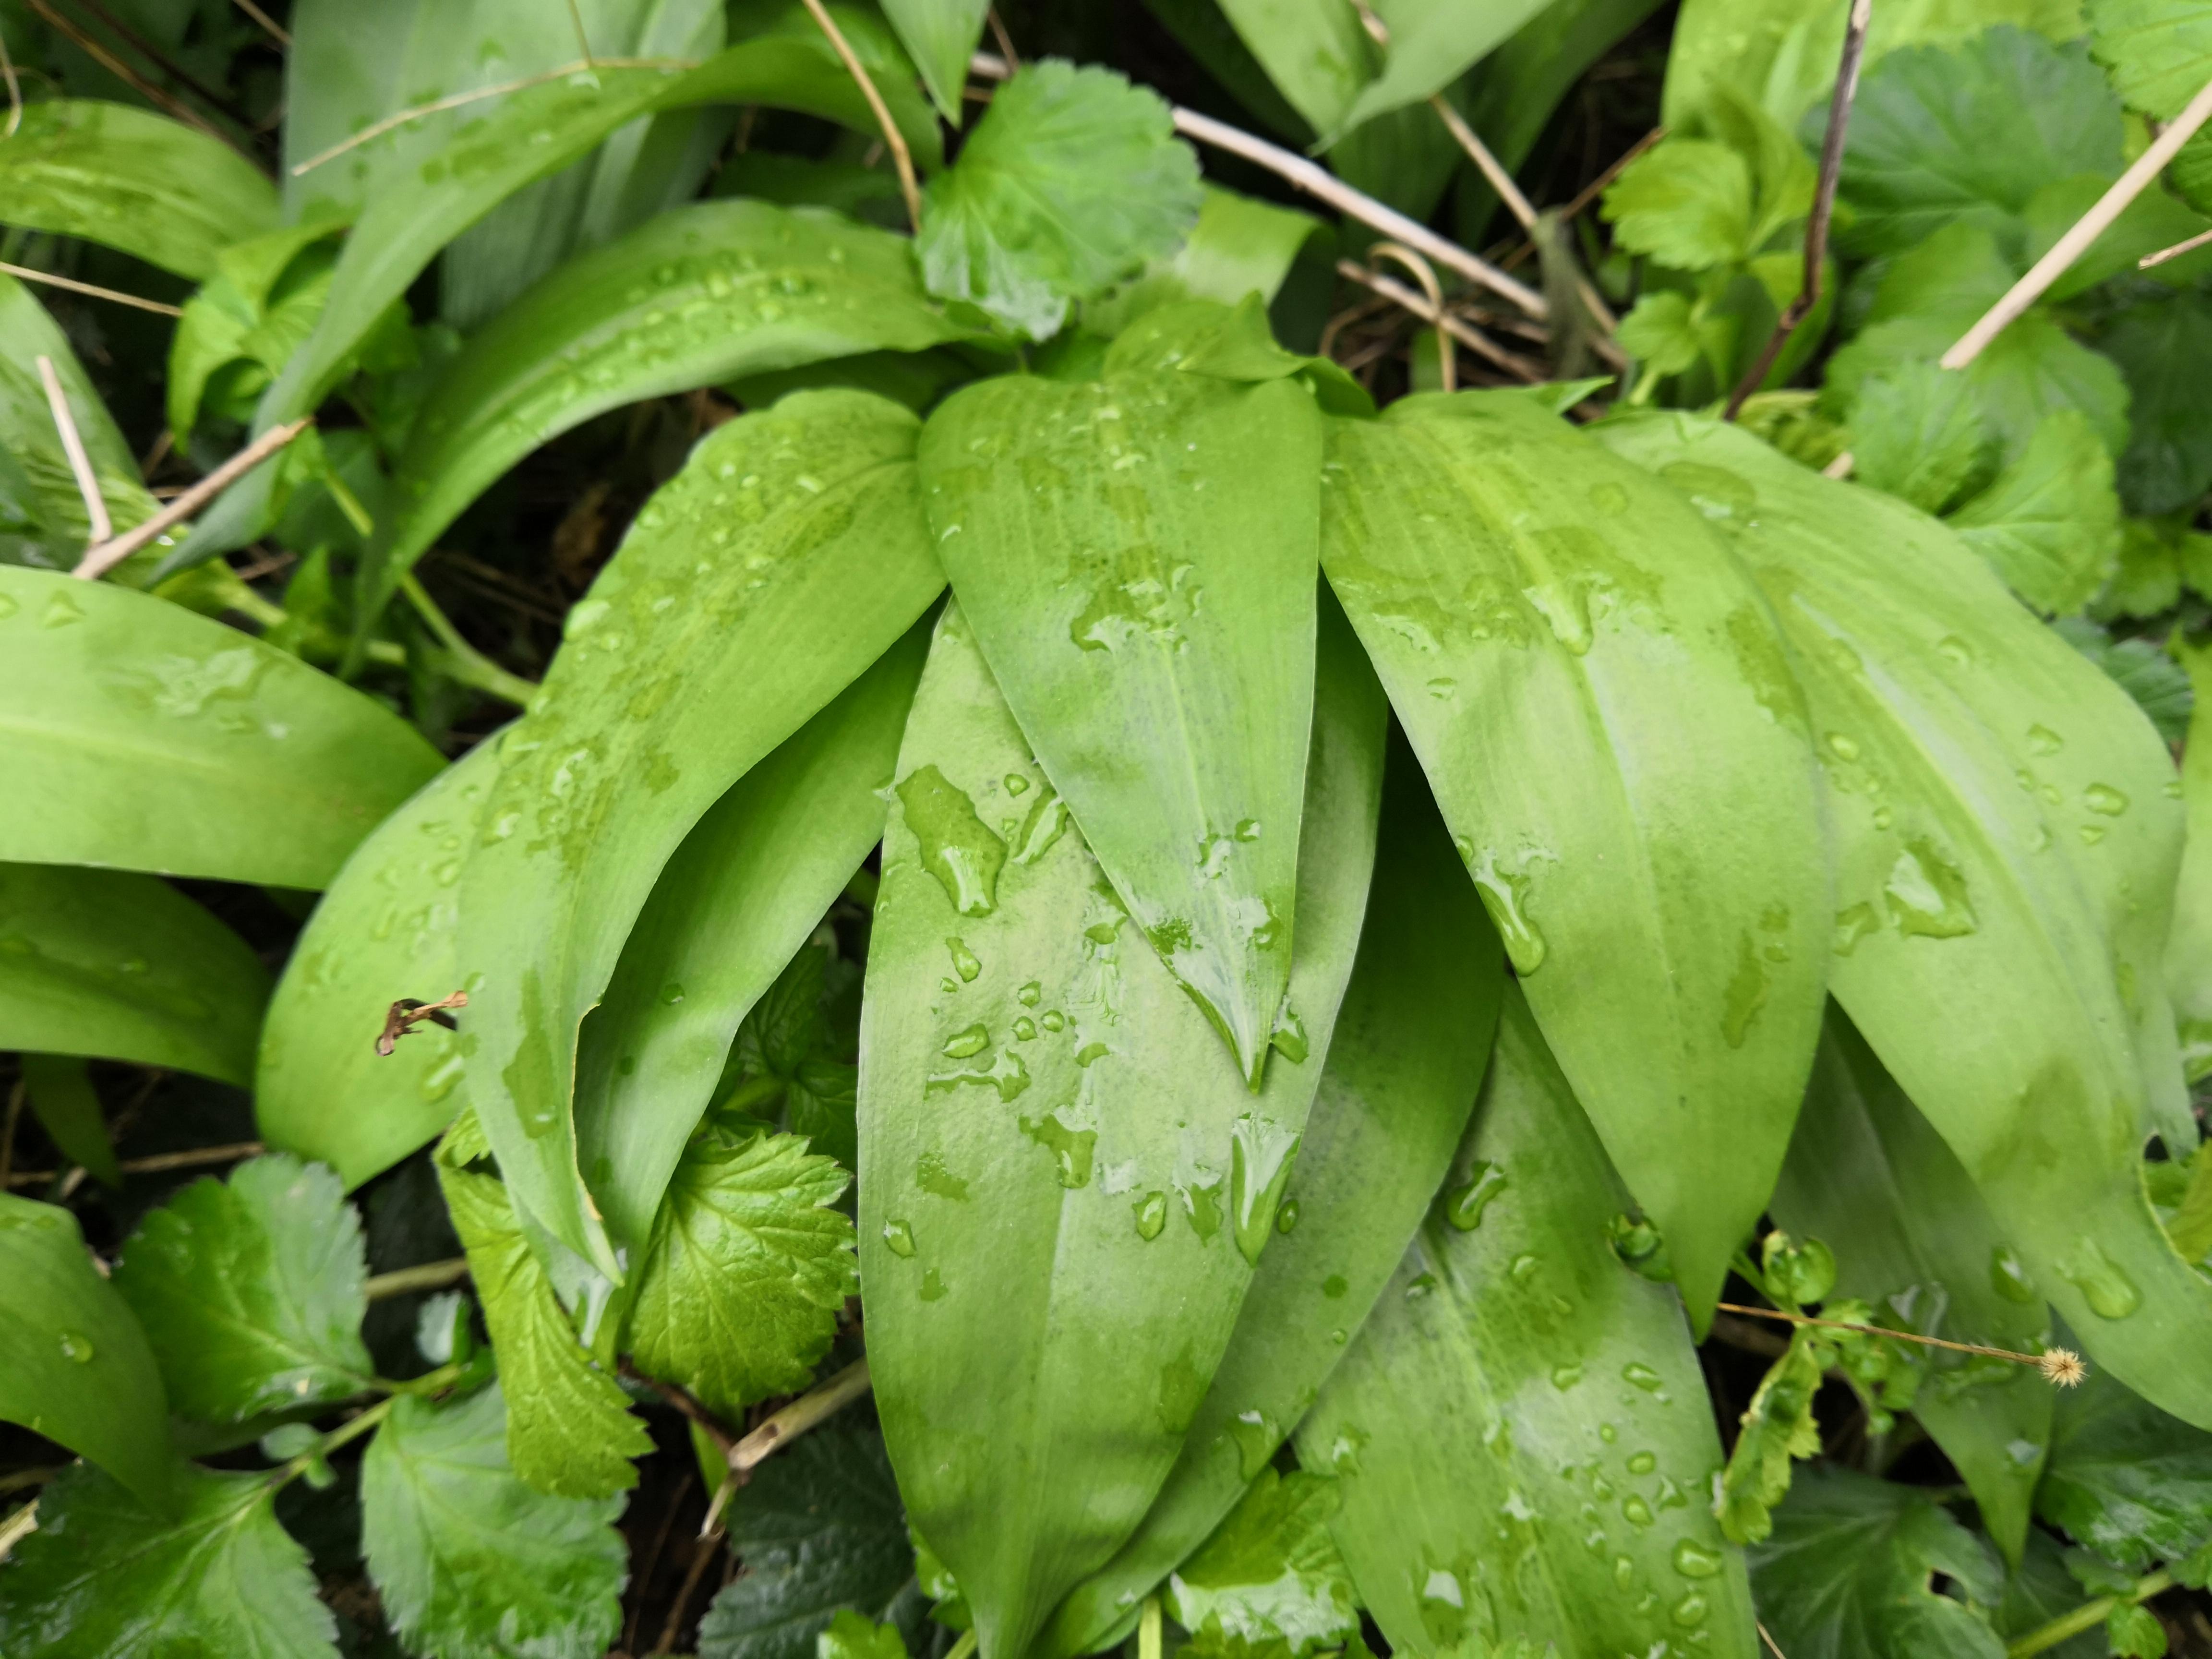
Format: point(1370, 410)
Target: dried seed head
point(2062, 1368)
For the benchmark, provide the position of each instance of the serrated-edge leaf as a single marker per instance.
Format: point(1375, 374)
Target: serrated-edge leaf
point(2049, 522)
point(2125, 1480)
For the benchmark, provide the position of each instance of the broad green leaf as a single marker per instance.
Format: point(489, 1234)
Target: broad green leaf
point(2125, 1480)
point(1777, 1429)
point(1148, 612)
point(1847, 1574)
point(1520, 1431)
point(1402, 1071)
point(1661, 334)
point(702, 294)
point(2160, 52)
point(1917, 432)
point(733, 904)
point(1686, 202)
point(1869, 1177)
point(118, 966)
point(1239, 246)
point(158, 190)
point(749, 1265)
point(2147, 579)
point(143, 737)
point(2048, 523)
point(2000, 818)
point(820, 1530)
point(471, 1563)
point(247, 319)
point(1599, 697)
point(1270, 1574)
point(1072, 180)
point(2040, 1589)
point(2167, 465)
point(386, 930)
point(940, 35)
point(78, 1371)
point(569, 1431)
point(1064, 1186)
point(103, 1574)
point(250, 1291)
point(2189, 937)
point(2161, 688)
point(789, 554)
point(60, 1094)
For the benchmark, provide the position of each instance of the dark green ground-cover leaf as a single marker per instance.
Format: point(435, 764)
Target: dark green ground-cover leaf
point(1063, 1181)
point(1270, 1577)
point(748, 1268)
point(2167, 465)
point(1600, 701)
point(2040, 1589)
point(247, 319)
point(819, 1529)
point(78, 1370)
point(2160, 52)
point(472, 1562)
point(250, 1291)
point(162, 192)
point(1917, 432)
point(1520, 1432)
point(1869, 1177)
point(142, 737)
point(105, 1576)
point(1072, 180)
point(2159, 687)
point(704, 293)
point(120, 966)
point(2049, 522)
point(1846, 1574)
point(1148, 615)
point(733, 906)
point(2000, 818)
point(2125, 1480)
point(1402, 1071)
point(788, 554)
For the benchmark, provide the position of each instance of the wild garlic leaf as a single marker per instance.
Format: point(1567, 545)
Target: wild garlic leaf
point(105, 1576)
point(940, 35)
point(2124, 1479)
point(2049, 522)
point(1847, 1571)
point(749, 1265)
point(2189, 939)
point(569, 1431)
point(1917, 432)
point(1271, 1574)
point(819, 1529)
point(471, 1562)
point(1072, 180)
point(2159, 51)
point(251, 1291)
point(2160, 345)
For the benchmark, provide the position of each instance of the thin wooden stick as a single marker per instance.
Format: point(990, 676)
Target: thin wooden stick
point(2086, 229)
point(110, 552)
point(2175, 252)
point(1772, 1646)
point(153, 54)
point(159, 1164)
point(25, 274)
point(1474, 341)
point(275, 30)
point(2060, 1365)
point(1824, 205)
point(1005, 40)
point(88, 486)
point(707, 1549)
point(1477, 152)
point(1424, 274)
point(429, 1276)
point(15, 89)
point(115, 66)
point(18, 1527)
point(583, 38)
point(901, 157)
point(809, 1411)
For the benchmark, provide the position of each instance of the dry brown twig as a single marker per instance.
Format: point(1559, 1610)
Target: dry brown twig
point(2189, 245)
point(87, 485)
point(15, 89)
point(2061, 1367)
point(1424, 274)
point(1481, 344)
point(901, 158)
point(404, 1015)
point(159, 1164)
point(24, 273)
point(108, 60)
point(270, 25)
point(110, 551)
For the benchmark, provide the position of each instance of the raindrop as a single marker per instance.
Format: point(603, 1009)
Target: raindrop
point(1152, 1215)
point(1842, 748)
point(964, 963)
point(1054, 1020)
point(2103, 798)
point(2091, 834)
point(2042, 740)
point(1690, 1611)
point(671, 994)
point(1643, 1463)
point(1025, 1029)
point(1641, 1375)
point(2104, 1284)
point(1624, 1574)
point(1029, 994)
point(1484, 1181)
point(1071, 1149)
point(932, 1284)
point(1693, 1561)
point(1565, 1377)
point(956, 847)
point(1523, 1269)
point(1635, 1510)
point(1927, 893)
point(1259, 1156)
point(77, 1347)
point(1016, 784)
point(1286, 1219)
point(900, 1237)
point(1505, 896)
point(1256, 1435)
point(962, 1044)
point(2008, 1276)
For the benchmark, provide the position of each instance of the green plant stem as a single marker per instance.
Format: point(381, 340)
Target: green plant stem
point(1148, 1630)
point(352, 1430)
point(430, 1276)
point(2087, 1616)
point(965, 1646)
point(463, 661)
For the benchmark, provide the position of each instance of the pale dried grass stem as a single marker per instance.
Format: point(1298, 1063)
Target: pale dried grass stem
point(88, 486)
point(111, 551)
point(901, 158)
point(24, 273)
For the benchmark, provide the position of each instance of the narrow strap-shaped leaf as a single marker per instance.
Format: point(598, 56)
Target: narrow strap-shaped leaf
point(788, 554)
point(736, 900)
point(1402, 1072)
point(2189, 941)
point(59, 1088)
point(78, 1371)
point(1136, 556)
point(142, 737)
point(1598, 694)
point(1521, 1432)
point(129, 178)
point(697, 296)
point(1063, 1189)
point(940, 35)
point(2005, 843)
point(1870, 1178)
point(115, 966)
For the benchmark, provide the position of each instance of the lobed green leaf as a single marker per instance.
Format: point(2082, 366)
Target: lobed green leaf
point(2125, 1480)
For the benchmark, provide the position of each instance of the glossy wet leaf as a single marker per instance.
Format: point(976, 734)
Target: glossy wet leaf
point(156, 188)
point(1847, 1574)
point(103, 1574)
point(79, 1371)
point(788, 554)
point(734, 902)
point(940, 35)
point(1136, 554)
point(2049, 522)
point(1994, 809)
point(1072, 180)
point(1412, 1040)
point(2188, 937)
point(2159, 51)
point(58, 1090)
point(1063, 1181)
point(1270, 1574)
point(749, 1265)
point(118, 966)
point(1239, 246)
point(1868, 1176)
point(1520, 1431)
point(143, 737)
point(246, 319)
point(471, 1563)
point(250, 1291)
point(696, 296)
point(1600, 702)
point(2040, 1589)
point(2125, 1480)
